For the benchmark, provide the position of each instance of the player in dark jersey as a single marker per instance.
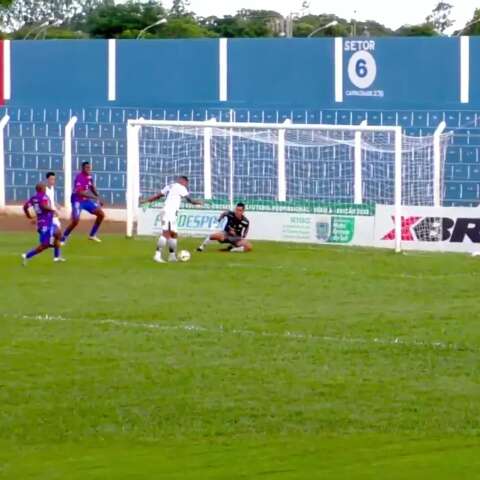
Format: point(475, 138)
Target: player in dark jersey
point(49, 233)
point(234, 233)
point(85, 197)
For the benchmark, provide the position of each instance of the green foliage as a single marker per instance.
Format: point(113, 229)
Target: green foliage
point(307, 24)
point(123, 20)
point(293, 362)
point(33, 12)
point(180, 9)
point(184, 27)
point(422, 30)
point(247, 23)
point(110, 19)
point(440, 17)
point(473, 26)
point(58, 33)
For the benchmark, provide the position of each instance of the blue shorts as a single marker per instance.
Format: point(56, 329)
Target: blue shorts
point(46, 235)
point(89, 205)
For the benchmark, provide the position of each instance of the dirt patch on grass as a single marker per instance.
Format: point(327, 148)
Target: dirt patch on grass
point(18, 223)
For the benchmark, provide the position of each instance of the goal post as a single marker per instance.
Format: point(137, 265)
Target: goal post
point(287, 166)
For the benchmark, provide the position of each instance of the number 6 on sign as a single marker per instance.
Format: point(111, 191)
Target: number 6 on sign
point(362, 69)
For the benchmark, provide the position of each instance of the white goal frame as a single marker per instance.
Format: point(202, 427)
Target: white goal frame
point(133, 159)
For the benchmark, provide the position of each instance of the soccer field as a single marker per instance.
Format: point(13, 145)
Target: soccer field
point(293, 362)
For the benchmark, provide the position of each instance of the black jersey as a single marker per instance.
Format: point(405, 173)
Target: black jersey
point(236, 227)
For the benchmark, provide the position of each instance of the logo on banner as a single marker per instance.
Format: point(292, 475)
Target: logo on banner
point(335, 230)
point(322, 231)
point(437, 229)
point(362, 68)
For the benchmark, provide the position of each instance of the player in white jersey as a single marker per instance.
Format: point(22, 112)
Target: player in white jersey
point(50, 191)
point(174, 193)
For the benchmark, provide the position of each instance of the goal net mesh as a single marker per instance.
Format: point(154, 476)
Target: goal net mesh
point(319, 164)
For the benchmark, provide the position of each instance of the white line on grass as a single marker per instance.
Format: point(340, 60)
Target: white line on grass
point(288, 335)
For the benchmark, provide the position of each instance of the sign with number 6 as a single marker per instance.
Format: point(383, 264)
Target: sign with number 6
point(362, 69)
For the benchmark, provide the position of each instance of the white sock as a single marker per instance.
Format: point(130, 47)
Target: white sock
point(162, 242)
point(172, 245)
point(238, 250)
point(206, 241)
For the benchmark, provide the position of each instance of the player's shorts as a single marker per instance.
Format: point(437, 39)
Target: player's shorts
point(89, 205)
point(231, 240)
point(56, 222)
point(169, 222)
point(47, 234)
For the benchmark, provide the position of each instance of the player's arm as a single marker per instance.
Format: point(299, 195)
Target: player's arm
point(191, 201)
point(26, 210)
point(93, 189)
point(153, 198)
point(245, 231)
point(45, 206)
point(88, 193)
point(222, 216)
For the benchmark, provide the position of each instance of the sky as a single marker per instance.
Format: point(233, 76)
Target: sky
point(391, 13)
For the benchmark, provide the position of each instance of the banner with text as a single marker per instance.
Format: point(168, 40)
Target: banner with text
point(273, 226)
point(445, 229)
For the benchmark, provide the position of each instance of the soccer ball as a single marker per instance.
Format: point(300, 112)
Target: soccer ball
point(184, 255)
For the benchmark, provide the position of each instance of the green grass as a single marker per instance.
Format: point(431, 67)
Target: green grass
point(293, 362)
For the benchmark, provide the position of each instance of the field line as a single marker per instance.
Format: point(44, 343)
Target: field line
point(221, 330)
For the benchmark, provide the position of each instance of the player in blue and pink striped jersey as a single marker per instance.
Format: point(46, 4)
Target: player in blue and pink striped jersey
point(85, 197)
point(50, 234)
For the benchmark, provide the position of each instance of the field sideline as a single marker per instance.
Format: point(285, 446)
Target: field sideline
point(293, 362)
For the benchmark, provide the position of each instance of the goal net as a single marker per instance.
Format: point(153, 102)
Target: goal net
point(282, 167)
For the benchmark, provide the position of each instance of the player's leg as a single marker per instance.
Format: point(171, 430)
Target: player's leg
point(57, 234)
point(161, 244)
point(214, 237)
point(32, 253)
point(96, 210)
point(57, 242)
point(75, 219)
point(169, 225)
point(172, 242)
point(44, 235)
point(242, 246)
point(165, 237)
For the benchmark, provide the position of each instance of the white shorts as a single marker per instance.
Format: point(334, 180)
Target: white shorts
point(56, 222)
point(169, 221)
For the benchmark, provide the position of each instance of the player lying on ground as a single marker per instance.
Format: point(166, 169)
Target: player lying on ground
point(85, 197)
point(50, 234)
point(234, 233)
point(174, 194)
point(50, 191)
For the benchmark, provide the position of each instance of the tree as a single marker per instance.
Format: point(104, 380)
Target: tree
point(422, 30)
point(440, 17)
point(180, 9)
point(185, 27)
point(49, 33)
point(247, 23)
point(5, 3)
point(305, 8)
point(473, 26)
point(373, 28)
point(307, 24)
point(32, 12)
point(123, 20)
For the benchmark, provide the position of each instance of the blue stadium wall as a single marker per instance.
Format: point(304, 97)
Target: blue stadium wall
point(413, 82)
point(410, 73)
